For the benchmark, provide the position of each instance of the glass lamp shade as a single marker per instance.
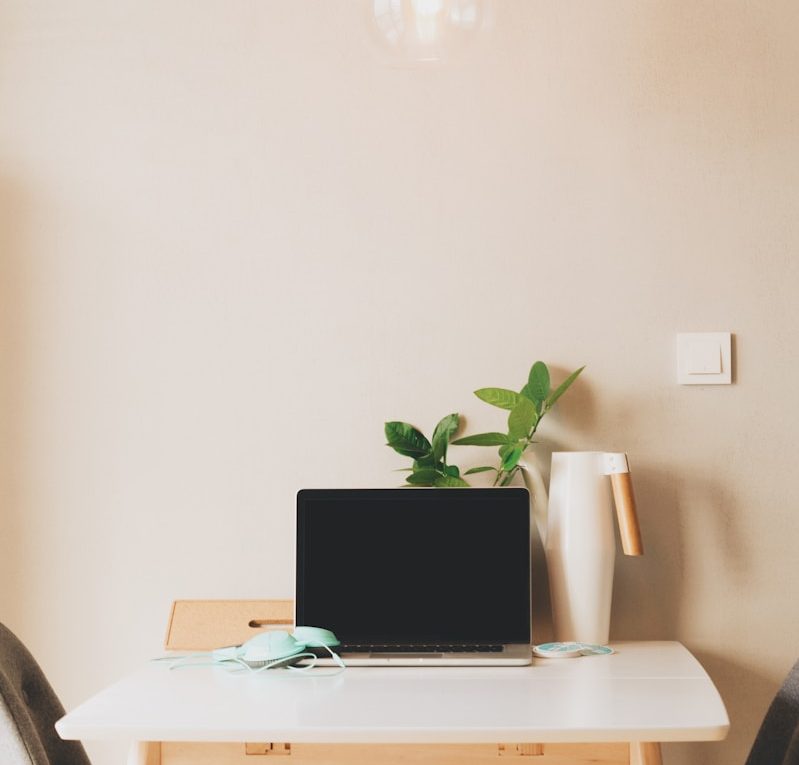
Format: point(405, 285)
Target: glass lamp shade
point(427, 30)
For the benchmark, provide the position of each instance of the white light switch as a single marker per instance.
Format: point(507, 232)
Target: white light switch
point(704, 358)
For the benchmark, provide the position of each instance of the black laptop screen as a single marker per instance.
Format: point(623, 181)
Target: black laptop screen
point(415, 565)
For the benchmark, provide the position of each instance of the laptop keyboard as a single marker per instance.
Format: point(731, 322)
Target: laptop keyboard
point(405, 648)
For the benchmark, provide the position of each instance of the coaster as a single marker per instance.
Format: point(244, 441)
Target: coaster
point(570, 650)
point(558, 650)
point(592, 649)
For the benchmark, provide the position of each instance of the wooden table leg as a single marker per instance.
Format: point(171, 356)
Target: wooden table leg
point(645, 753)
point(144, 753)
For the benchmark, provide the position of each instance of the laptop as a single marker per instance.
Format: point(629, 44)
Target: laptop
point(417, 576)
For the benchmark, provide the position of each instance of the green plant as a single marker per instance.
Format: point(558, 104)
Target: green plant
point(429, 466)
point(527, 409)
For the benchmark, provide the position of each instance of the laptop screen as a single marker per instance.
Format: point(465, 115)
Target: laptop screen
point(406, 566)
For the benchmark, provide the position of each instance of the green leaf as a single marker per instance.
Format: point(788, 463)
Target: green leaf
point(481, 469)
point(483, 439)
point(450, 482)
point(428, 461)
point(423, 477)
point(522, 418)
point(443, 433)
point(563, 387)
point(407, 440)
point(512, 458)
point(526, 392)
point(501, 397)
point(538, 381)
point(452, 470)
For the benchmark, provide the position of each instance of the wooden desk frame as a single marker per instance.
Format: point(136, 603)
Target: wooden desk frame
point(214, 753)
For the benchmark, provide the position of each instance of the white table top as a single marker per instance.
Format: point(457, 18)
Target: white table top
point(647, 691)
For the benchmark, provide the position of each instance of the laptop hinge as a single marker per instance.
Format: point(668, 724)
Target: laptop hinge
point(520, 750)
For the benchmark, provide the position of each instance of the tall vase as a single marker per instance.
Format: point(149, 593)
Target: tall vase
point(576, 529)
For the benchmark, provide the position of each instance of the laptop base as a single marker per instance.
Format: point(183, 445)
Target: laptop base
point(514, 655)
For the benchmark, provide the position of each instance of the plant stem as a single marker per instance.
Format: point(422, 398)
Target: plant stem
point(504, 477)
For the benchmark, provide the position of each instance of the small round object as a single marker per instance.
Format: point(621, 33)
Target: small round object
point(592, 649)
point(558, 650)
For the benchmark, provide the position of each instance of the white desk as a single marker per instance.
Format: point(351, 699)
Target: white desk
point(646, 692)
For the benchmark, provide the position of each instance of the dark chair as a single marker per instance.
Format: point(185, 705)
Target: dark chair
point(29, 709)
point(777, 741)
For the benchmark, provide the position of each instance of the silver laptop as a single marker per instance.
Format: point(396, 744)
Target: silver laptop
point(417, 576)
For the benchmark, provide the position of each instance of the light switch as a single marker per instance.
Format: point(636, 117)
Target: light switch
point(704, 358)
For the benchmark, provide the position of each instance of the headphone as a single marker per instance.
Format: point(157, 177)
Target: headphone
point(278, 648)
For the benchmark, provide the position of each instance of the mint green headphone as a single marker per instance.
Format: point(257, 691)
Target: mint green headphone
point(278, 648)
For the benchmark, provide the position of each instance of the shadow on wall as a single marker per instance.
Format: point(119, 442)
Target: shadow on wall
point(637, 613)
point(651, 594)
point(662, 569)
point(12, 400)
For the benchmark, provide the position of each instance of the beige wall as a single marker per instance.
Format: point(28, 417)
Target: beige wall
point(233, 241)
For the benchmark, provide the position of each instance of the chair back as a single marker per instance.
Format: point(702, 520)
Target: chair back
point(777, 741)
point(29, 710)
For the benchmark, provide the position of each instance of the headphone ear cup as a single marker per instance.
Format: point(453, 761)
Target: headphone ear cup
point(270, 646)
point(315, 637)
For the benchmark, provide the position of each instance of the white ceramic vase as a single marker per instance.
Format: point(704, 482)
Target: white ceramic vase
point(576, 528)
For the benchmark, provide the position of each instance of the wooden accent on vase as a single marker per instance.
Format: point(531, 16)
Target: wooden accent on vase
point(629, 529)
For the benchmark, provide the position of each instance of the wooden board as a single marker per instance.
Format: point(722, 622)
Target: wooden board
point(201, 625)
